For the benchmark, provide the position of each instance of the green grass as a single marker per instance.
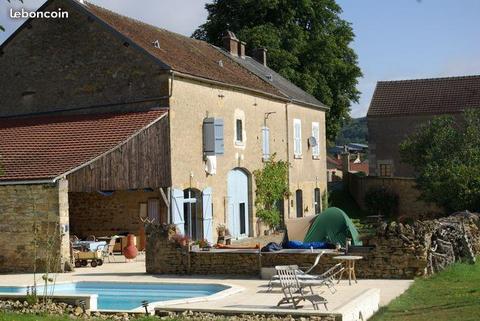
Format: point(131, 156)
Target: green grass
point(453, 294)
point(343, 200)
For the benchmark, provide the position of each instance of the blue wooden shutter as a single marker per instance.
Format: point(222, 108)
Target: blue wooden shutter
point(219, 143)
point(207, 214)
point(297, 137)
point(266, 142)
point(316, 134)
point(176, 206)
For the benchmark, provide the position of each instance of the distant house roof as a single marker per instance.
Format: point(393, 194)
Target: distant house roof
point(45, 147)
point(283, 85)
point(425, 96)
point(336, 164)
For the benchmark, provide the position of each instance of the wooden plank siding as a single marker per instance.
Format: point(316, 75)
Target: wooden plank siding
point(141, 162)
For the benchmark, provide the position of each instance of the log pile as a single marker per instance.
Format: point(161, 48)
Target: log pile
point(440, 242)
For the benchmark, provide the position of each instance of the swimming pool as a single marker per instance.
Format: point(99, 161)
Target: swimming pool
point(120, 296)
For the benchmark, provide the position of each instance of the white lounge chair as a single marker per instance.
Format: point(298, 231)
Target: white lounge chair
point(293, 290)
point(327, 278)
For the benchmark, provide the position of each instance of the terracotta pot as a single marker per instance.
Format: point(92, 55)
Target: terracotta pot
point(130, 251)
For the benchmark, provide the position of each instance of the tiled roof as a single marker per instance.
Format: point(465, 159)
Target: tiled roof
point(45, 147)
point(425, 96)
point(284, 85)
point(183, 54)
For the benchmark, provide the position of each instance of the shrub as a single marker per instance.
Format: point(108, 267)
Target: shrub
point(381, 201)
point(272, 185)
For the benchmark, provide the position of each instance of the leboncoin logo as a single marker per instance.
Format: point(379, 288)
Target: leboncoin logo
point(25, 14)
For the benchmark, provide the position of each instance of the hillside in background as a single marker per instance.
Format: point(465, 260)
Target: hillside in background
point(354, 132)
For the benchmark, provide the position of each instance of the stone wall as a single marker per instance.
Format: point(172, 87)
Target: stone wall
point(409, 207)
point(397, 251)
point(89, 65)
point(24, 209)
point(99, 215)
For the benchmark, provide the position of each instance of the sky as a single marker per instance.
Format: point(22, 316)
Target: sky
point(395, 39)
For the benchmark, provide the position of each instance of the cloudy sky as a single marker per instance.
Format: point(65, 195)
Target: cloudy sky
point(395, 39)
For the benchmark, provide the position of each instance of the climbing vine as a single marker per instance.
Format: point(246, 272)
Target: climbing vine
point(271, 187)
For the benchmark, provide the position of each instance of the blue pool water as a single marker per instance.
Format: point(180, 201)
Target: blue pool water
point(128, 296)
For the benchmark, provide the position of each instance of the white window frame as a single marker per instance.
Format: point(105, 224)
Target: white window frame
point(297, 138)
point(266, 143)
point(237, 141)
point(316, 135)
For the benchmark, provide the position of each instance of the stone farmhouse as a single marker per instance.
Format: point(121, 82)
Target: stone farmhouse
point(399, 107)
point(105, 121)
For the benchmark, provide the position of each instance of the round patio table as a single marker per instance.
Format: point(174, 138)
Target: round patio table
point(349, 266)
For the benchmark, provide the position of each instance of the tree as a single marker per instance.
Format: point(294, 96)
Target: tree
point(445, 154)
point(307, 42)
point(272, 187)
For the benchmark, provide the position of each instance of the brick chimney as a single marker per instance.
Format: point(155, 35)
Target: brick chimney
point(231, 43)
point(241, 49)
point(260, 55)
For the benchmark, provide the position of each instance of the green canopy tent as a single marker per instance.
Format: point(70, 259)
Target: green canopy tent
point(333, 226)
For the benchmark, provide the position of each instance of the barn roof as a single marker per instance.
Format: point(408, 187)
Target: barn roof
point(181, 53)
point(425, 96)
point(46, 147)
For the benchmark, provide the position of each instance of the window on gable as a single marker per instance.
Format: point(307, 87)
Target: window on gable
point(239, 130)
point(316, 136)
point(297, 138)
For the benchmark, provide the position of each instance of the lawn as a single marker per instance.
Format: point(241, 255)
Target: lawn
point(453, 294)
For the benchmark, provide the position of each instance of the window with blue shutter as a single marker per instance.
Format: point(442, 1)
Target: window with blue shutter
point(297, 138)
point(266, 143)
point(219, 142)
point(316, 135)
point(213, 141)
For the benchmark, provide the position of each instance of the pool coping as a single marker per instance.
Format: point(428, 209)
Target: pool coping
point(93, 297)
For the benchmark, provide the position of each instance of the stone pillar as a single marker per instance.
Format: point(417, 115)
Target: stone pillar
point(64, 222)
point(30, 221)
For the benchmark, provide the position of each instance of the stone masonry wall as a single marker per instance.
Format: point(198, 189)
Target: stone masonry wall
point(397, 252)
point(409, 207)
point(95, 214)
point(24, 208)
point(65, 64)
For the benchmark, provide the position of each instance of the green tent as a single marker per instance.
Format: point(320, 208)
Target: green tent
point(332, 226)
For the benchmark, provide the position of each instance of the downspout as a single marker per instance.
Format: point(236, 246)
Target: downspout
point(288, 156)
point(170, 190)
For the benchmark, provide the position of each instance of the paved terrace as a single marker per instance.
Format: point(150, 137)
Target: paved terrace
point(250, 297)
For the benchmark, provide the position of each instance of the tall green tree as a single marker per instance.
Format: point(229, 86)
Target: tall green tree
point(445, 154)
point(307, 42)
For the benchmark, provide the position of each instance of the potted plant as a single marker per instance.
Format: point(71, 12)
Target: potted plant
point(221, 230)
point(181, 240)
point(204, 245)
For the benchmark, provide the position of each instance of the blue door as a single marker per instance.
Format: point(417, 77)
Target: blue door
point(237, 203)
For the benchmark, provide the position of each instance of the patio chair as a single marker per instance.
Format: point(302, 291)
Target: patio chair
point(293, 291)
point(327, 278)
point(107, 250)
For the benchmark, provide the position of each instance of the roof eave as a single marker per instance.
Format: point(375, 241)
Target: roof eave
point(28, 182)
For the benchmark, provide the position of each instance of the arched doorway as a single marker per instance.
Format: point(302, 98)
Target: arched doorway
point(238, 203)
point(192, 212)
